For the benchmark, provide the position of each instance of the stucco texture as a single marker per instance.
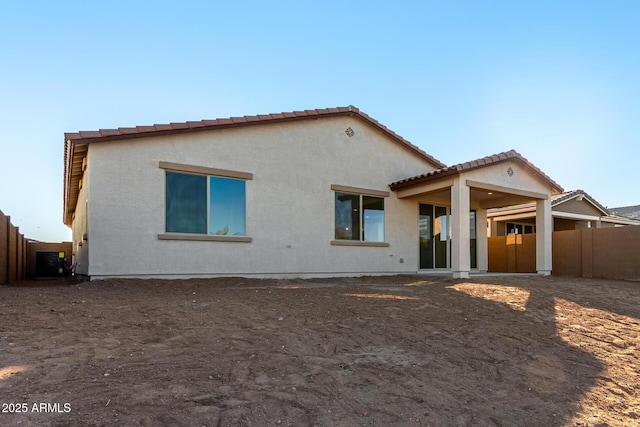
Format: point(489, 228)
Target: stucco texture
point(289, 201)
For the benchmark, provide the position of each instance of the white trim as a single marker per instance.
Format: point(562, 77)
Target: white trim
point(202, 170)
point(623, 221)
point(204, 237)
point(358, 190)
point(359, 243)
point(530, 214)
point(504, 212)
point(506, 190)
point(569, 215)
point(422, 189)
point(566, 215)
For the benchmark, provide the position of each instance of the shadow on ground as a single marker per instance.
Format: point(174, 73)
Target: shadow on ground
point(403, 350)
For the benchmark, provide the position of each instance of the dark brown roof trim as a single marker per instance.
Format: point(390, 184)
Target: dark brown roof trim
point(104, 135)
point(475, 164)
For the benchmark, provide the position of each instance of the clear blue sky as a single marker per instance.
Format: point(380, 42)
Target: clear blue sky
point(558, 81)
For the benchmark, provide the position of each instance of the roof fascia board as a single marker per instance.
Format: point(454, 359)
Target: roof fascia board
point(506, 190)
point(505, 212)
point(569, 215)
point(202, 128)
point(70, 153)
point(618, 220)
point(514, 216)
point(523, 162)
point(422, 179)
point(389, 133)
point(417, 190)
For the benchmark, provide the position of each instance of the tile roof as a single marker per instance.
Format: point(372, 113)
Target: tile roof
point(556, 199)
point(632, 212)
point(103, 135)
point(475, 164)
point(76, 142)
point(561, 198)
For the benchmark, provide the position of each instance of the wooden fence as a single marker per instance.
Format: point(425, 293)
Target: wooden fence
point(612, 253)
point(13, 252)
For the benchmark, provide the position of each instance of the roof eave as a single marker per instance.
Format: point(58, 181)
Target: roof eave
point(423, 179)
point(73, 140)
point(107, 135)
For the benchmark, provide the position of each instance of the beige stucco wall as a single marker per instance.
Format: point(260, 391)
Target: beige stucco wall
point(290, 204)
point(510, 177)
point(521, 179)
point(579, 207)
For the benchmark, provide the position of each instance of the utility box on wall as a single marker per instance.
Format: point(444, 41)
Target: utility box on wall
point(51, 263)
point(48, 259)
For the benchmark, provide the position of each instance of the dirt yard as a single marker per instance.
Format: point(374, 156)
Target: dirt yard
point(383, 351)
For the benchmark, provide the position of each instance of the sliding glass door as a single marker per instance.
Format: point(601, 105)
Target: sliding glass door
point(434, 231)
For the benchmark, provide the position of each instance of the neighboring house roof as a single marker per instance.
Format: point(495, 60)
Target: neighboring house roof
point(476, 164)
point(632, 212)
point(577, 194)
point(76, 143)
point(607, 215)
point(556, 200)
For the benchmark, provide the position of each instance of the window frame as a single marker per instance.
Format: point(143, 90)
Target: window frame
point(207, 172)
point(521, 224)
point(361, 193)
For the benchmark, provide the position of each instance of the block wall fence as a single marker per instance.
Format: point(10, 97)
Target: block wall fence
point(611, 253)
point(13, 252)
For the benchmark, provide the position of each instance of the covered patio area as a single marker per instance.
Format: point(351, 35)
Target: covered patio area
point(452, 206)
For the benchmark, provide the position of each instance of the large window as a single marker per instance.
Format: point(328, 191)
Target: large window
point(202, 204)
point(359, 217)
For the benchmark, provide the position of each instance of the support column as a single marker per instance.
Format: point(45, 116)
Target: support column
point(460, 251)
point(482, 241)
point(544, 227)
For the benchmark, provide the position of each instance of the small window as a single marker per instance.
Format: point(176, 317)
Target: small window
point(205, 205)
point(359, 217)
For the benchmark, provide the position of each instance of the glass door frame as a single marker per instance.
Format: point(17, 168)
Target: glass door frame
point(428, 224)
point(438, 250)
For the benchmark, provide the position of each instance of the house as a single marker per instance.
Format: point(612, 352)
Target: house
point(632, 212)
point(571, 210)
point(327, 192)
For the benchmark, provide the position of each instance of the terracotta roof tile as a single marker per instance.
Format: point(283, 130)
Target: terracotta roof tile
point(475, 164)
point(84, 137)
point(109, 132)
point(126, 131)
point(88, 137)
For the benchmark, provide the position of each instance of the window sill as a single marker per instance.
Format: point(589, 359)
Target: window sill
point(204, 237)
point(358, 243)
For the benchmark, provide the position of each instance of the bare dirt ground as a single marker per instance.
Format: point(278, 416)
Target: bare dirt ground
point(383, 351)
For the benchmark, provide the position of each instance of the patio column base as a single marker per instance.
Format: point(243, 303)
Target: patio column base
point(460, 274)
point(544, 272)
